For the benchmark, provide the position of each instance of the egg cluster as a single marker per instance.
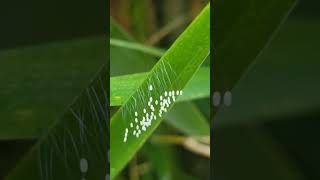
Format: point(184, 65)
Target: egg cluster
point(144, 119)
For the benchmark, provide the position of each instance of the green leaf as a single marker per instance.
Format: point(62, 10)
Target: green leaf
point(288, 89)
point(121, 57)
point(165, 161)
point(122, 87)
point(10, 153)
point(172, 72)
point(191, 122)
point(39, 82)
point(241, 30)
point(138, 9)
point(78, 139)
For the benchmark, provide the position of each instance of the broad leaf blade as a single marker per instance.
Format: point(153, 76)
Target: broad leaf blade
point(172, 72)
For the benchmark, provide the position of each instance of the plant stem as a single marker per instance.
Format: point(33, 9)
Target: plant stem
point(133, 173)
point(167, 29)
point(197, 145)
point(137, 47)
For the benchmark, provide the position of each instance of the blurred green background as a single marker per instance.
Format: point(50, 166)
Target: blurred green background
point(271, 130)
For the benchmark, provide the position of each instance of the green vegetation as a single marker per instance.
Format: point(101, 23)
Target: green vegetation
point(183, 66)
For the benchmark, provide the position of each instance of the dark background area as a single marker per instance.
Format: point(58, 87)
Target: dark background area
point(272, 128)
point(32, 22)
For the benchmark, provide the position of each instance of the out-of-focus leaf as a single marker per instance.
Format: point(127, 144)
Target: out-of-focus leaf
point(75, 147)
point(241, 30)
point(126, 61)
point(140, 9)
point(165, 162)
point(10, 153)
point(279, 86)
point(191, 122)
point(38, 83)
